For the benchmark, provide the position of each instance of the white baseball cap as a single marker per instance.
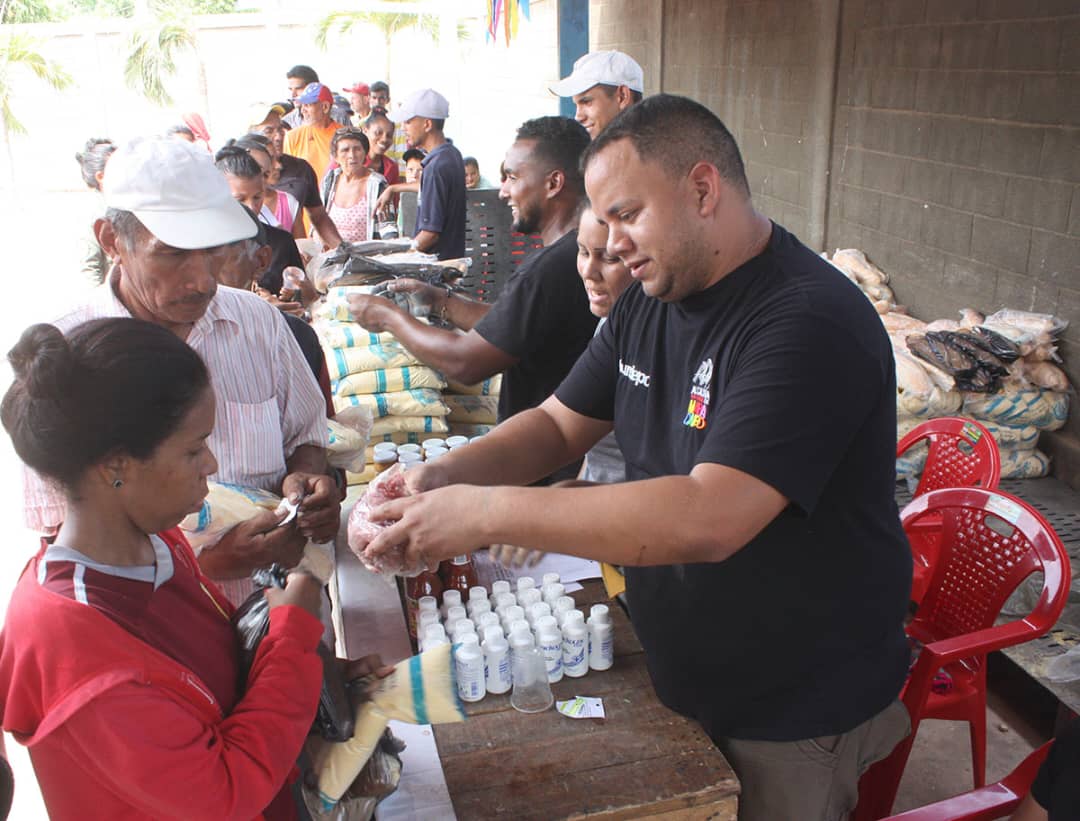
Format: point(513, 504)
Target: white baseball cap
point(177, 192)
point(610, 68)
point(423, 103)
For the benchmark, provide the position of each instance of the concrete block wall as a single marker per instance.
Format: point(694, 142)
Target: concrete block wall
point(956, 154)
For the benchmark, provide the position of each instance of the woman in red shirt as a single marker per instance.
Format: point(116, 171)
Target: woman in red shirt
point(118, 665)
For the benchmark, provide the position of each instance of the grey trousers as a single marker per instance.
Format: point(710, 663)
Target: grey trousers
point(815, 779)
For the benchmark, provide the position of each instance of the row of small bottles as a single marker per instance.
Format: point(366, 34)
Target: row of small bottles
point(491, 643)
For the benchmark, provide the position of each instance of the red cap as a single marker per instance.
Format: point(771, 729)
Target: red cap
point(358, 88)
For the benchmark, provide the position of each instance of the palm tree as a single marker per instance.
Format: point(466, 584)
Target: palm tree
point(19, 54)
point(155, 45)
point(388, 22)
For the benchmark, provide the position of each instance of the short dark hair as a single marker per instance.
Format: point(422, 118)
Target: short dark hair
point(180, 128)
point(471, 161)
point(235, 161)
point(378, 114)
point(349, 133)
point(115, 385)
point(302, 72)
point(378, 85)
point(92, 159)
point(559, 143)
point(437, 125)
point(412, 154)
point(635, 96)
point(676, 132)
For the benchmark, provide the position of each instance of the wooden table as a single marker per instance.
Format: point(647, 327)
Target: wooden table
point(641, 761)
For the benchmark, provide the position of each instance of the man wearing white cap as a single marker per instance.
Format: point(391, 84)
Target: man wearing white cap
point(169, 223)
point(440, 216)
point(602, 84)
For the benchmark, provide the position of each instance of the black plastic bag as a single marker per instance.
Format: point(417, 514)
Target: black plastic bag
point(334, 720)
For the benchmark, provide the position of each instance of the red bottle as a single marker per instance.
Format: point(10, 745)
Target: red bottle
point(426, 584)
point(460, 575)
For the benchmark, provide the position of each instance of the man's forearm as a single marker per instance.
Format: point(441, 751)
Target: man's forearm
point(308, 459)
point(436, 347)
point(426, 240)
point(462, 311)
point(321, 222)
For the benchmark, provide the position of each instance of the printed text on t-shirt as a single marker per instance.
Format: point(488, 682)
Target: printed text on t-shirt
point(697, 412)
point(635, 376)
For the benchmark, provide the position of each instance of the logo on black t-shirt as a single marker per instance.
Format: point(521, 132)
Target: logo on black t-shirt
point(697, 412)
point(635, 376)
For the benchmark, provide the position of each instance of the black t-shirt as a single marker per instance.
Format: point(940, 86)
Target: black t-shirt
point(781, 370)
point(1057, 786)
point(541, 317)
point(285, 253)
point(298, 178)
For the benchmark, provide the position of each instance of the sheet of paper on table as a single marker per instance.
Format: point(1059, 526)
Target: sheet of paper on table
point(422, 791)
point(571, 569)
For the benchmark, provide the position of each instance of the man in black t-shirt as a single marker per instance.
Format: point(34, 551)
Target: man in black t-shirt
point(752, 392)
point(541, 321)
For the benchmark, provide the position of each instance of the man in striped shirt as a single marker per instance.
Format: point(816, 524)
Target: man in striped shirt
point(170, 220)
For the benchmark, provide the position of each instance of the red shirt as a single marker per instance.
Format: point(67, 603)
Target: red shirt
point(389, 168)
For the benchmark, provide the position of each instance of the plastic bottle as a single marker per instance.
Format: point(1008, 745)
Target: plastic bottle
point(553, 592)
point(434, 635)
point(426, 585)
point(453, 615)
point(456, 441)
point(562, 606)
point(537, 612)
point(498, 676)
point(549, 638)
point(460, 629)
point(525, 583)
point(409, 458)
point(520, 625)
point(477, 593)
point(433, 442)
point(529, 597)
point(601, 638)
point(486, 620)
point(520, 639)
point(450, 598)
point(550, 578)
point(410, 447)
point(426, 619)
point(512, 614)
point(505, 600)
point(460, 575)
point(477, 608)
point(499, 587)
point(575, 649)
point(469, 666)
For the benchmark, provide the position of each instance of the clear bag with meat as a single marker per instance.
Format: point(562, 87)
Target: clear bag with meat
point(361, 530)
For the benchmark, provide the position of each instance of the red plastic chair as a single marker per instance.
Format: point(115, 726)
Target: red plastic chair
point(990, 542)
point(986, 803)
point(962, 454)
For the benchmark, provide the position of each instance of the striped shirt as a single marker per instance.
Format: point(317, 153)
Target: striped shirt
point(268, 402)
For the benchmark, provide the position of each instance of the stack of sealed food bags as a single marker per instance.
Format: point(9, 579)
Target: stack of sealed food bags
point(474, 409)
point(1001, 370)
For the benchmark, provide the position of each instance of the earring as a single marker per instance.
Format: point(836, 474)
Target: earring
point(118, 483)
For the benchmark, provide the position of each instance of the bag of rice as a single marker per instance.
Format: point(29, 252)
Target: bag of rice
point(343, 361)
point(348, 433)
point(465, 429)
point(474, 410)
point(387, 380)
point(351, 335)
point(417, 402)
point(489, 387)
point(415, 424)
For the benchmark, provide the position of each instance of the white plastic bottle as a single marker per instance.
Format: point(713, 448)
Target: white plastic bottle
point(525, 583)
point(498, 587)
point(497, 662)
point(511, 615)
point(426, 619)
point(553, 592)
point(428, 603)
point(536, 612)
point(434, 636)
point(575, 648)
point(478, 607)
point(549, 637)
point(521, 640)
point(562, 606)
point(476, 595)
point(454, 614)
point(601, 638)
point(527, 598)
point(504, 600)
point(450, 598)
point(460, 628)
point(485, 624)
point(550, 578)
point(469, 666)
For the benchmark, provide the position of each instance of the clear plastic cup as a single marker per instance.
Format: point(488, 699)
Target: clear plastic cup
point(532, 692)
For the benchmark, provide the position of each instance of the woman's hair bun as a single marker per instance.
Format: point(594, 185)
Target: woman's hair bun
point(43, 361)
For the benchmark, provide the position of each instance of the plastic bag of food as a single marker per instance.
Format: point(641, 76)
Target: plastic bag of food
point(474, 410)
point(1024, 464)
point(351, 335)
point(334, 720)
point(854, 262)
point(489, 387)
point(390, 484)
point(1032, 323)
point(421, 690)
point(417, 402)
point(386, 380)
point(1046, 410)
point(344, 361)
point(377, 781)
point(349, 432)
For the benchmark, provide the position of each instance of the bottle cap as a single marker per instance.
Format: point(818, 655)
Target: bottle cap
point(547, 624)
point(477, 593)
point(479, 606)
point(525, 583)
point(455, 613)
point(384, 447)
point(500, 587)
point(456, 441)
point(574, 616)
point(468, 640)
point(487, 620)
point(384, 457)
point(563, 604)
point(409, 447)
point(406, 458)
point(553, 591)
point(550, 578)
point(433, 443)
point(505, 600)
point(428, 603)
point(434, 631)
point(539, 610)
point(514, 613)
point(461, 627)
point(450, 598)
point(599, 613)
point(519, 626)
point(529, 597)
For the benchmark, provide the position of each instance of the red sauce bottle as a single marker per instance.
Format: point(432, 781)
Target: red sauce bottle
point(460, 575)
point(416, 587)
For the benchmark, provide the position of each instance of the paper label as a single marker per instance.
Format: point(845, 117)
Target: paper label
point(1005, 508)
point(581, 707)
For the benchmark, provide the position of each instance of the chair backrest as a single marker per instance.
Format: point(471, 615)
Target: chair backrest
point(962, 454)
point(990, 542)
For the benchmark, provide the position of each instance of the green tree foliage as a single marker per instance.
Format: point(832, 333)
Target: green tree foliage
point(19, 55)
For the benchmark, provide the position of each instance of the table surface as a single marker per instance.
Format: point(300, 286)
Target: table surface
point(641, 760)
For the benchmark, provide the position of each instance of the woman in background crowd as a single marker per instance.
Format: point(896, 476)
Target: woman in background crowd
point(351, 191)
